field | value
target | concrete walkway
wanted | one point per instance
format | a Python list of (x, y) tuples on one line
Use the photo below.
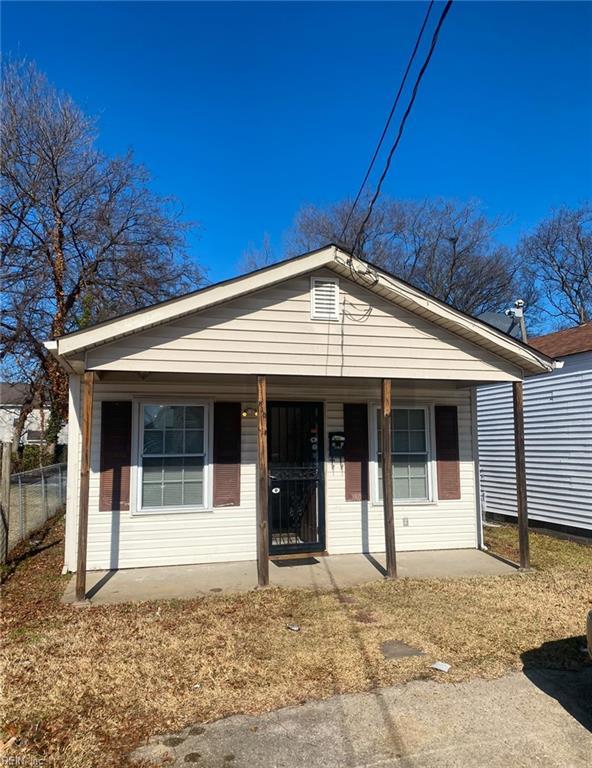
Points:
[(336, 571), (519, 721)]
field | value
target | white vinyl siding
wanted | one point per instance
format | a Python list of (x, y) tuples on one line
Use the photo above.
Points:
[(126, 540), (271, 332), (359, 526), (558, 445)]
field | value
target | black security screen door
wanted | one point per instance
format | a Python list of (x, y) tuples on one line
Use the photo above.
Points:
[(295, 451)]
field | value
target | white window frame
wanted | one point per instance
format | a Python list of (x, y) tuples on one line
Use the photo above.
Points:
[(428, 409), (327, 318), (138, 441)]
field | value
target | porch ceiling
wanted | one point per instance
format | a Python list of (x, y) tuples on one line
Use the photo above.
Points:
[(300, 387)]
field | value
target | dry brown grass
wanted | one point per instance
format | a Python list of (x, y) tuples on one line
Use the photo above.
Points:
[(546, 551), (87, 686)]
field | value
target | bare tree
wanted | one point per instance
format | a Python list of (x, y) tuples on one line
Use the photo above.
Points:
[(82, 236), (558, 256), (445, 248), (257, 257)]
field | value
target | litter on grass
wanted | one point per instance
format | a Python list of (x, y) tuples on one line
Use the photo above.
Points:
[(293, 627), (441, 666)]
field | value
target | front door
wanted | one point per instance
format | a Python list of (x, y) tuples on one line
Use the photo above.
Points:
[(296, 481)]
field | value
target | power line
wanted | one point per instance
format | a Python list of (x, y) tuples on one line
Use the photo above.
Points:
[(403, 121), (389, 119)]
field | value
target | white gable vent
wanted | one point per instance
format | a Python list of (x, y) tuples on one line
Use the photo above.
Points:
[(324, 298)]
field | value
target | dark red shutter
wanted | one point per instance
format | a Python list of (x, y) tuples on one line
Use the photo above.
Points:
[(116, 443), (447, 452), (227, 454), (355, 426)]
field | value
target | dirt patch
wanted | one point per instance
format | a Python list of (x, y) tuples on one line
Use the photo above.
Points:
[(86, 687), (364, 617)]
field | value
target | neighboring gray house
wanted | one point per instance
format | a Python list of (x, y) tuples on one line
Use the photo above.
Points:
[(558, 435), (12, 397)]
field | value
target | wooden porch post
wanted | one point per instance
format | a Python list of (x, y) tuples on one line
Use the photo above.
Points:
[(262, 498), (387, 482), (521, 501), (87, 408)]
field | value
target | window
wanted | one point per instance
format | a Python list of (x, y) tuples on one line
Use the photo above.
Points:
[(324, 299), (172, 456), (410, 453)]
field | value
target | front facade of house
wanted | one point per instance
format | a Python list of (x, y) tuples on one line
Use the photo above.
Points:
[(178, 435)]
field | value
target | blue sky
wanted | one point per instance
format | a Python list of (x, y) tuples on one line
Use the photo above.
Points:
[(247, 111)]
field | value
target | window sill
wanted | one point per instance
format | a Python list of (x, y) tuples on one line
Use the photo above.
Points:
[(172, 511), (410, 503)]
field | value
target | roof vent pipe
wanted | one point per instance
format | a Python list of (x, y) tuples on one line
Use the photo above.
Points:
[(517, 312)]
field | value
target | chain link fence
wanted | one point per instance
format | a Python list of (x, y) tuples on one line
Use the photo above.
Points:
[(35, 496)]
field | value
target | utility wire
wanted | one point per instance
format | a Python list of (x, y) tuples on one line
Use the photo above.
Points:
[(402, 124), (388, 121)]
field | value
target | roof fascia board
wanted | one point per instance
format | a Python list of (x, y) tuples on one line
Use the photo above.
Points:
[(73, 365)]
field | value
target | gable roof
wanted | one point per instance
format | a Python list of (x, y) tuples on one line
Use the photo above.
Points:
[(567, 342), (371, 276)]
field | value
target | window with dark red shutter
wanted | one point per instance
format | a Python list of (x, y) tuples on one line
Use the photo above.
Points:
[(447, 452), (355, 426), (116, 439), (227, 454)]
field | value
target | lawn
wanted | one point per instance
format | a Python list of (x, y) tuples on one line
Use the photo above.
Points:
[(86, 686), (546, 551)]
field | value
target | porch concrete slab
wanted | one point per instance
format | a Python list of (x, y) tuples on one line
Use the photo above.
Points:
[(329, 572)]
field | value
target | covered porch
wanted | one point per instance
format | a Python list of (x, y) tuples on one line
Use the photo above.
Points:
[(334, 573), (359, 504)]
